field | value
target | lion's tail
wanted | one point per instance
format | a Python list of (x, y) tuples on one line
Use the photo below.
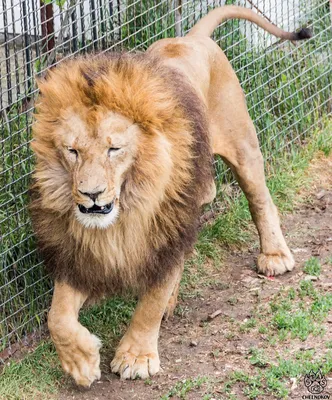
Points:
[(209, 23)]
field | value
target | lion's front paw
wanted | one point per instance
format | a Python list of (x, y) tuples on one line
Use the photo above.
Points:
[(79, 356), (135, 364), (275, 264)]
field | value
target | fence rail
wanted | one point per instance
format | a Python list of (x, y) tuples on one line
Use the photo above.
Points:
[(288, 90)]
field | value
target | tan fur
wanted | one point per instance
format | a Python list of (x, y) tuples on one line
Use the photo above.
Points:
[(160, 107)]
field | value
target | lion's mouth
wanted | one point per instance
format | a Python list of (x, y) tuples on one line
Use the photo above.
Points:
[(97, 209)]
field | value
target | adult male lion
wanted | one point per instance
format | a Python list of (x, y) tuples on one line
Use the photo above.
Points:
[(124, 147)]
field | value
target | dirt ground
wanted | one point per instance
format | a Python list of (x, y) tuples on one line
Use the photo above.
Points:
[(191, 346)]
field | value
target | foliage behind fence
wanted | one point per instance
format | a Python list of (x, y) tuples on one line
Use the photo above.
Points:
[(288, 90)]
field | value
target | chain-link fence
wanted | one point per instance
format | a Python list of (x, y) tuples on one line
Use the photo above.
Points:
[(288, 90)]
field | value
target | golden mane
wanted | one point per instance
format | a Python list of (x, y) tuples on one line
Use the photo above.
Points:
[(151, 234)]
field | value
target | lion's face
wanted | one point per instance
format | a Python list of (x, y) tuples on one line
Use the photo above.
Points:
[(107, 136), (97, 157)]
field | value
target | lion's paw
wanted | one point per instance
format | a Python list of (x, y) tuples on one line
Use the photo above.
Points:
[(80, 357), (275, 264), (135, 365)]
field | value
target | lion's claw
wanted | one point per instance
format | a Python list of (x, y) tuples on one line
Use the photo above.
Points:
[(131, 366)]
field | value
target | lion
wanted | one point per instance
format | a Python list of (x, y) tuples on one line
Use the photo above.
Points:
[(124, 147)]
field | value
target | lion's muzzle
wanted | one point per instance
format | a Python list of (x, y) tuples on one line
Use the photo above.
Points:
[(95, 209)]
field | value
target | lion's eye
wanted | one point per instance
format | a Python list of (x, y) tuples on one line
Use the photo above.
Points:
[(73, 151), (113, 150)]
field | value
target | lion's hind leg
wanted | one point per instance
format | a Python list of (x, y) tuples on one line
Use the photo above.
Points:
[(234, 138), (246, 163)]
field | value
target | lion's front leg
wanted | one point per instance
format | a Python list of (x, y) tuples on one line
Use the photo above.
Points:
[(137, 354), (77, 348)]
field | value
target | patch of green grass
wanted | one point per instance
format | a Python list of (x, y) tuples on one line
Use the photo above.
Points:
[(258, 357), (182, 388), (146, 22), (312, 266), (296, 318), (306, 288), (294, 313), (209, 249), (253, 384), (230, 227), (108, 319), (263, 329), (298, 324), (321, 306), (35, 377), (291, 293), (273, 380), (247, 325)]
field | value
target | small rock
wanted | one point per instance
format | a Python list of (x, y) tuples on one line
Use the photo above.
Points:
[(320, 194), (294, 383), (255, 289), (311, 278), (298, 250), (193, 343), (260, 276), (326, 284), (214, 315)]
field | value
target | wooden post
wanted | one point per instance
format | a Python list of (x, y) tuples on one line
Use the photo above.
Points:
[(47, 26)]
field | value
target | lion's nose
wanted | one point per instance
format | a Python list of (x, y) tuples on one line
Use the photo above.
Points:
[(92, 195)]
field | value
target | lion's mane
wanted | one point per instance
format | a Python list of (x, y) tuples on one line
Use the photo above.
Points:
[(149, 239)]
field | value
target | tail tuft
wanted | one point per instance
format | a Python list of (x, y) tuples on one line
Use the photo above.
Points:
[(304, 33)]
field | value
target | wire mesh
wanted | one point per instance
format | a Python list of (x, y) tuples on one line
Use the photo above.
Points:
[(288, 89)]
